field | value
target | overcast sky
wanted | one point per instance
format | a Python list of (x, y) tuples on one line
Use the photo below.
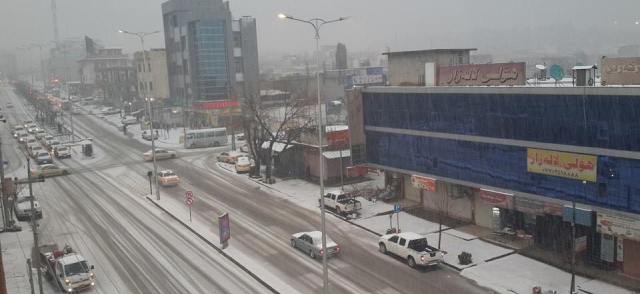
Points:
[(373, 26)]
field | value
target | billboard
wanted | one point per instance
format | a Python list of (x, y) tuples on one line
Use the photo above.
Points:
[(364, 77), (492, 74), (562, 164), (424, 183), (215, 104), (620, 71)]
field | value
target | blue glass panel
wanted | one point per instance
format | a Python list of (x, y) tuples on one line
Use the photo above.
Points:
[(604, 121), (505, 167)]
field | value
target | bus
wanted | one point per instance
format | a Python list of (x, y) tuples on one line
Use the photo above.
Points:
[(206, 138)]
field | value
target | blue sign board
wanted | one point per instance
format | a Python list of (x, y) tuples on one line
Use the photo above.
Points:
[(583, 217), (396, 208)]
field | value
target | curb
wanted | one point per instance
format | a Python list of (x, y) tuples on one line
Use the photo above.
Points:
[(343, 219), (224, 254)]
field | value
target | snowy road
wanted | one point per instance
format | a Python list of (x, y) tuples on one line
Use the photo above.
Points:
[(137, 248)]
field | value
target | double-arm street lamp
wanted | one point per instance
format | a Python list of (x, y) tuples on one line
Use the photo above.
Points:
[(148, 99), (317, 23)]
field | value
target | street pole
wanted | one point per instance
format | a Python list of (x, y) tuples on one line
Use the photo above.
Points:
[(34, 224), (141, 36), (5, 209), (316, 23)]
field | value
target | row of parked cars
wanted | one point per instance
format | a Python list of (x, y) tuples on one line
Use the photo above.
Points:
[(41, 147), (241, 161)]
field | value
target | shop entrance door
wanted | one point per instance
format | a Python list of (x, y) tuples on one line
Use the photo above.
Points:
[(631, 258)]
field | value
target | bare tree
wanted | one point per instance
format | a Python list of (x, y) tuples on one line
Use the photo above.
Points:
[(283, 125)]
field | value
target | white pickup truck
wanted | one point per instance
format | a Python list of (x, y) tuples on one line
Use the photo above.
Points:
[(68, 269), (413, 247), (340, 202)]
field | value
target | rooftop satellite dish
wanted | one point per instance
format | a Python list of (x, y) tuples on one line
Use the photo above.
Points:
[(540, 66), (556, 72)]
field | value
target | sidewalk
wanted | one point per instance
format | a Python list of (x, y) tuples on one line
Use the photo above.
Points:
[(16, 248), (496, 267)]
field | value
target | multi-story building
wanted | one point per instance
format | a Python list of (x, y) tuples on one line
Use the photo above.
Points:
[(8, 66), (63, 60), (152, 75), (514, 157), (210, 56), (110, 74)]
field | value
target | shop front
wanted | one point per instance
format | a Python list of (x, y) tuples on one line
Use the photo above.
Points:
[(620, 240), (453, 200)]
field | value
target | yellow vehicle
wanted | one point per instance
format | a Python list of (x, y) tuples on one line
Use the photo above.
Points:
[(168, 178)]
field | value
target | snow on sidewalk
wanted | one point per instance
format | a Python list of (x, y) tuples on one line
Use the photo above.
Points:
[(519, 274), (16, 248)]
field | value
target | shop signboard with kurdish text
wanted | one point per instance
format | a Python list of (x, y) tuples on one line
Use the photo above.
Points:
[(493, 74), (562, 164), (617, 224), (621, 71)]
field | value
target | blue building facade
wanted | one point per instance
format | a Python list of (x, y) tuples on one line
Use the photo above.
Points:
[(474, 143), (483, 138)]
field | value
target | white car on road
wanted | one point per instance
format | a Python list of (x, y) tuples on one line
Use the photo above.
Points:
[(160, 154)]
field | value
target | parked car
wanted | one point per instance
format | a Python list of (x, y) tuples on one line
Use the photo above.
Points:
[(311, 243), (168, 178), (46, 139), (160, 154), (27, 123), (229, 157), (9, 105), (30, 140), (129, 120), (243, 164), (147, 135), (22, 137), (52, 144), (33, 149), (341, 202), (17, 129), (49, 170), (412, 247), (62, 152), (22, 209), (43, 157), (32, 129), (40, 134)]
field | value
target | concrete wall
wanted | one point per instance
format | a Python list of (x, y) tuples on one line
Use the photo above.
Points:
[(407, 69)]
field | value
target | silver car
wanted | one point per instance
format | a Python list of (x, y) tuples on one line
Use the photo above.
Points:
[(22, 209), (311, 243), (160, 154)]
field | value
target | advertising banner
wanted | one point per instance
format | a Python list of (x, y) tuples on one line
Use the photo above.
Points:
[(497, 199), (493, 74), (619, 225), (424, 183), (621, 71), (562, 164)]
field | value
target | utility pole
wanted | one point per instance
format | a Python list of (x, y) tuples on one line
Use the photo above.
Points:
[(5, 210), (54, 19), (34, 224)]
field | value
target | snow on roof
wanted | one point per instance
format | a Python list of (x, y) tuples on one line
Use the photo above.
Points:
[(277, 146), (336, 128), (583, 67), (336, 154)]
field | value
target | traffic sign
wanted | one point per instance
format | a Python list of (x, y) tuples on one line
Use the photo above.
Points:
[(224, 229), (188, 194), (396, 208), (189, 198), (189, 201)]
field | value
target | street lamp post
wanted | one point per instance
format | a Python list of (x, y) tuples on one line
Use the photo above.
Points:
[(317, 23), (141, 36)]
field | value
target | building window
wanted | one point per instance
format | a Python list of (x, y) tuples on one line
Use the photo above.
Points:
[(185, 66), (174, 20), (150, 86)]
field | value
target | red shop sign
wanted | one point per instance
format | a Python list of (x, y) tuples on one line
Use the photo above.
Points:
[(496, 198)]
